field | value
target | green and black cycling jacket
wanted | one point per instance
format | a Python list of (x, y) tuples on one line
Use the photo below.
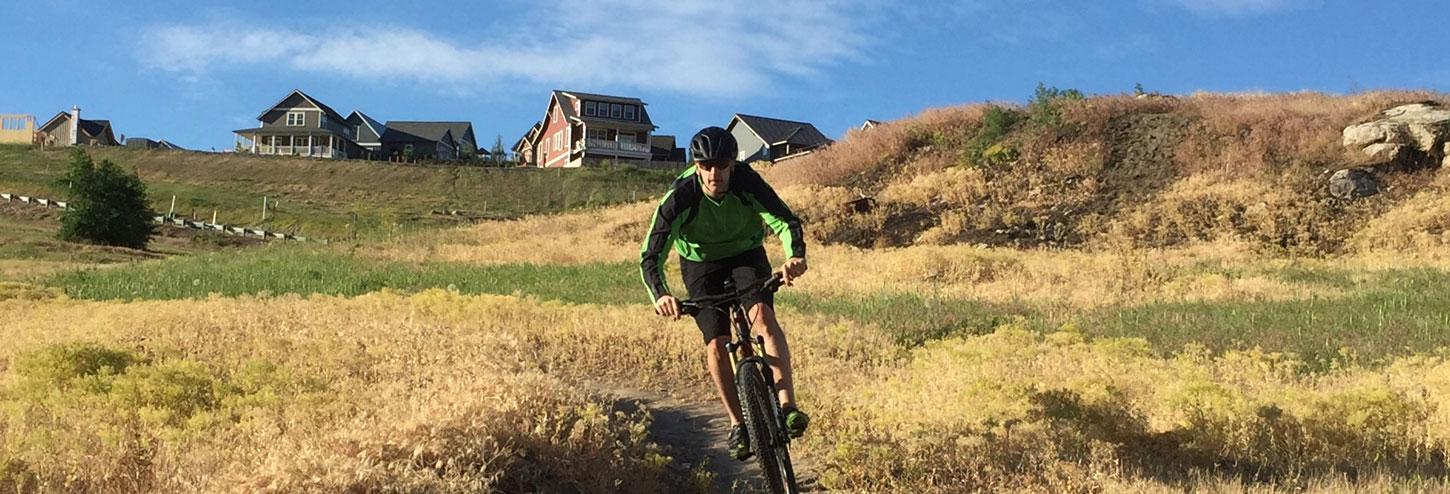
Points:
[(703, 229)]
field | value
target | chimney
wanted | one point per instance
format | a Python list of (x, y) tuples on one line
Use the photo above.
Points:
[(75, 124)]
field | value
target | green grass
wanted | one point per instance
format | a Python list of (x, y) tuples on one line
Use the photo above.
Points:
[(1391, 313), (912, 319), (294, 269), (300, 269), (1395, 312), (336, 199)]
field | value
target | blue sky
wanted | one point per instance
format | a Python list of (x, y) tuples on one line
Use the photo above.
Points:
[(192, 72)]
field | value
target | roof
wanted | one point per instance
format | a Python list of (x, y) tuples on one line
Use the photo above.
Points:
[(325, 109), (528, 136), (366, 120), (570, 114), (777, 131), (94, 127), (291, 131), (662, 141), (432, 131), (90, 127)]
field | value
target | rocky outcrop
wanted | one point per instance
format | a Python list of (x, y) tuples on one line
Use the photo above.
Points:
[(1406, 137), (1353, 183)]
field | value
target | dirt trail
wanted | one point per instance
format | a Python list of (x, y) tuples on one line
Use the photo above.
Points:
[(693, 432)]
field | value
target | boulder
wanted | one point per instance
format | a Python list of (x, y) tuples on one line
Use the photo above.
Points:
[(1352, 183), (1359, 136), (1422, 127), (1385, 152)]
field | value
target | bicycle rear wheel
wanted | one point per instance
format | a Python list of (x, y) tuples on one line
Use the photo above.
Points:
[(762, 423)]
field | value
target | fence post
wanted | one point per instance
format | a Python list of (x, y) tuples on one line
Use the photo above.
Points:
[(172, 212), (264, 208)]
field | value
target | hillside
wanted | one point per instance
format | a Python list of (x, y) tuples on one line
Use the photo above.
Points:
[(321, 198), (1113, 171), (1154, 339)]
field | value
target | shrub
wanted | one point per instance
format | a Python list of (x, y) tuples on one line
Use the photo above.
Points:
[(107, 206), (1045, 107)]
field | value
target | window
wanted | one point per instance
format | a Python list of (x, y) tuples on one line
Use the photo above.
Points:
[(296, 119), (599, 134), (589, 108), (626, 137), (629, 112), (357, 132), (616, 110)]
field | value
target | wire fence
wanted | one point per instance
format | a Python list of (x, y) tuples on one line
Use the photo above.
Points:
[(174, 222)]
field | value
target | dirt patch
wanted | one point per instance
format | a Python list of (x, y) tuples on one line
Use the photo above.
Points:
[(693, 434)]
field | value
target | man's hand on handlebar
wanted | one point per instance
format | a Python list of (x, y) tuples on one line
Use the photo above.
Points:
[(792, 269), (668, 306)]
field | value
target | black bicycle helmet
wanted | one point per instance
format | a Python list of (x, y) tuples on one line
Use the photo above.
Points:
[(712, 144)]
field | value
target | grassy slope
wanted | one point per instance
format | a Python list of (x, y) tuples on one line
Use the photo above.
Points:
[(319, 198), (1114, 171), (937, 369)]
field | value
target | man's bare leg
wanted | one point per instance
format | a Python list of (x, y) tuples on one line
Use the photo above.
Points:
[(718, 360), (766, 325)]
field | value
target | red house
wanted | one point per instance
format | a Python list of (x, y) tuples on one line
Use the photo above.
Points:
[(581, 129)]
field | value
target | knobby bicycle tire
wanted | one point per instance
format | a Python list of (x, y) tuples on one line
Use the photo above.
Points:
[(761, 424)]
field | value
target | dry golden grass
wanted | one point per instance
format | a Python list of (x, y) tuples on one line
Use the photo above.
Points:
[(432, 392), (447, 393), (612, 234), (443, 392)]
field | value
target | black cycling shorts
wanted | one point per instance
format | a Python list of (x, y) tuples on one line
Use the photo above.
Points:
[(704, 279)]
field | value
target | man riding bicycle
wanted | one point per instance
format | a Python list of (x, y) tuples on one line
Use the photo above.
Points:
[(715, 216)]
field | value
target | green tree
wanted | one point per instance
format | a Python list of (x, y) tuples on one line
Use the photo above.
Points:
[(1045, 106), (107, 205)]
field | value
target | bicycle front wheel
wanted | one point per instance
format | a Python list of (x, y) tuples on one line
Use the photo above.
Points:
[(763, 425)]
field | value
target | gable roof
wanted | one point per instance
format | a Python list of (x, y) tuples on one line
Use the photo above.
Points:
[(364, 119), (571, 114), (529, 136), (325, 109), (432, 131), (92, 128), (777, 131)]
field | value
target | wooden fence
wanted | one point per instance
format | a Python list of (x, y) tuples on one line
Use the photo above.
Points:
[(174, 222)]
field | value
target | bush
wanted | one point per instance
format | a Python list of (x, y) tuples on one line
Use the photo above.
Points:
[(107, 205), (1045, 106)]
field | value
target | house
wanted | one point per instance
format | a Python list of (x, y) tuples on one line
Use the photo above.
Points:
[(300, 125), (662, 148), (581, 128), (773, 139), (144, 143), (367, 132), (17, 129), (524, 148), (69, 129), (408, 141), (870, 124)]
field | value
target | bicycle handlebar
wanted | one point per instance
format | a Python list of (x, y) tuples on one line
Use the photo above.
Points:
[(695, 305)]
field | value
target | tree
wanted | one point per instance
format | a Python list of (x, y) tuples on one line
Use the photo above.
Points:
[(497, 153), (107, 205)]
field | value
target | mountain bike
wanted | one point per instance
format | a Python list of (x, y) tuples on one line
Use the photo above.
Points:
[(755, 384)]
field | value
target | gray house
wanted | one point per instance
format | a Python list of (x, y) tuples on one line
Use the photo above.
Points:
[(300, 125), (368, 133), (144, 143), (773, 139), (408, 141)]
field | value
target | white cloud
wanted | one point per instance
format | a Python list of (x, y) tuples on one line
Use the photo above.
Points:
[(693, 47), (1238, 7)]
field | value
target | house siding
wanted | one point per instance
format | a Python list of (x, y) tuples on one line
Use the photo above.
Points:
[(750, 147), (556, 128)]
